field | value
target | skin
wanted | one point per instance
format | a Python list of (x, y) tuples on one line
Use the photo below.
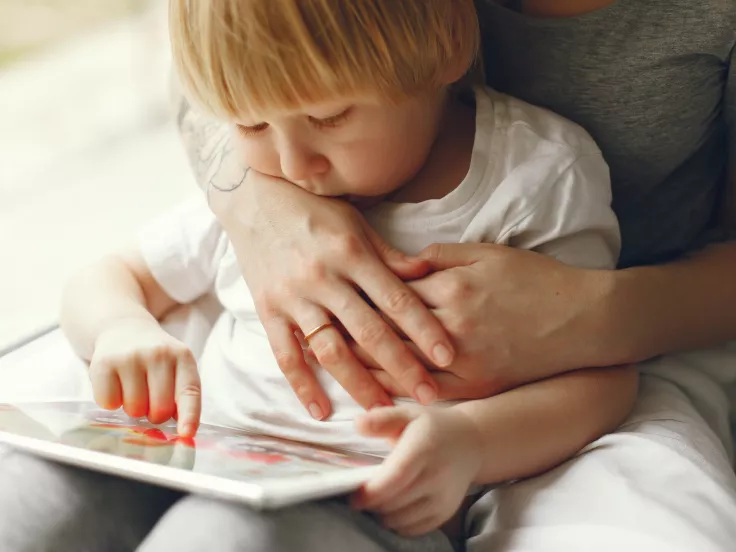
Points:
[(112, 308), (582, 318), (330, 150)]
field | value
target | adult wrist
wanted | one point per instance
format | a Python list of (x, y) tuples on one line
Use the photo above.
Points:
[(596, 340), (233, 207), (612, 331)]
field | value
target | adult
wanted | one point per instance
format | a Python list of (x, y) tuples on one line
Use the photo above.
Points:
[(654, 82)]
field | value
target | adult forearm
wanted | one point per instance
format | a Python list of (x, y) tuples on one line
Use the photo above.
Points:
[(647, 311), (533, 428)]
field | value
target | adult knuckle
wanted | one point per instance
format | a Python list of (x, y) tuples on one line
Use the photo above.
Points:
[(409, 369), (458, 290), (432, 253), (265, 305), (315, 271), (330, 352), (288, 361), (399, 301), (302, 388), (372, 333), (349, 247), (405, 369)]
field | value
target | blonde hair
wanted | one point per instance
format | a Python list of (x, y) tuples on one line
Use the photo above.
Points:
[(235, 57)]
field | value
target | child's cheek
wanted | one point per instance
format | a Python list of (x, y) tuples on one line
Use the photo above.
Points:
[(258, 154)]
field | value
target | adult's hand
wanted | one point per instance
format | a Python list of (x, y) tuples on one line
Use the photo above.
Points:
[(305, 259), (515, 316)]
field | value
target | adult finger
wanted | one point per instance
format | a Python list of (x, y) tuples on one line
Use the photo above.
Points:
[(106, 388), (442, 256), (334, 355), (451, 387), (160, 379), (289, 356), (454, 388), (362, 355), (436, 290), (396, 300), (404, 266), (188, 393), (375, 336)]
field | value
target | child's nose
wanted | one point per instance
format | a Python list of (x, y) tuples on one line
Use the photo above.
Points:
[(303, 166)]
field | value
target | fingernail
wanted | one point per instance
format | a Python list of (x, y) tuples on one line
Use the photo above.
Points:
[(316, 411), (425, 393), (442, 355)]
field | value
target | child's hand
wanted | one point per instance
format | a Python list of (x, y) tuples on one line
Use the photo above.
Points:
[(139, 366), (424, 480)]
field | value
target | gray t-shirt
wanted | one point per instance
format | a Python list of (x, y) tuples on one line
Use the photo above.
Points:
[(654, 82)]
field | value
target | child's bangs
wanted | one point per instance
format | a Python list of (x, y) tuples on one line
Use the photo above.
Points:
[(240, 57)]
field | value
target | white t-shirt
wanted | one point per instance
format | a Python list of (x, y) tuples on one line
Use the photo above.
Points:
[(536, 181)]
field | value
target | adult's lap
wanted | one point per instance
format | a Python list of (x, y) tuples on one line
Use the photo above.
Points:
[(663, 481), (198, 523), (51, 507)]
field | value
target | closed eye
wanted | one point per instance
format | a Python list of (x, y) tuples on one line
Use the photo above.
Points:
[(247, 131), (332, 122)]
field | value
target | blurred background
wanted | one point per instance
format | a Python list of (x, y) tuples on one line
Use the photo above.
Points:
[(88, 145)]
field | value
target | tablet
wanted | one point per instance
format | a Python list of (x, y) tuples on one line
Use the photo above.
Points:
[(258, 470)]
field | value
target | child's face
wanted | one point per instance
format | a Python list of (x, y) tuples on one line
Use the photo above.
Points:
[(359, 147)]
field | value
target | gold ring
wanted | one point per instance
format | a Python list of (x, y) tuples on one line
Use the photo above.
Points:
[(316, 330)]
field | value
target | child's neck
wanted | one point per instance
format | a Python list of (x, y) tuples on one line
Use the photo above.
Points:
[(449, 159)]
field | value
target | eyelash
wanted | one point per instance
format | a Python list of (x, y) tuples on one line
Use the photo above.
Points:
[(245, 132), (330, 122)]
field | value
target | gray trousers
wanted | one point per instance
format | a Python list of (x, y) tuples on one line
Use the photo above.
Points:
[(48, 507), (662, 482)]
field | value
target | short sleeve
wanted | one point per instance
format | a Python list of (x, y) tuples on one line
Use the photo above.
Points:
[(183, 248), (572, 220)]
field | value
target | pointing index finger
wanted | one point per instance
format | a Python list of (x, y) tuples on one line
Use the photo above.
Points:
[(188, 393)]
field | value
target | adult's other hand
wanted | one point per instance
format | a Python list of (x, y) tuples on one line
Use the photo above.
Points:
[(306, 259), (515, 316)]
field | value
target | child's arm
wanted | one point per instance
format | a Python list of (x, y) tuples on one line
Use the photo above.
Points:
[(520, 433), (104, 293), (110, 313)]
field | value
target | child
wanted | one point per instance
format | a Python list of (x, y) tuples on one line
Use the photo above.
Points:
[(360, 100)]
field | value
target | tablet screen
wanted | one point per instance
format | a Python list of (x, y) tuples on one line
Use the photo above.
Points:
[(74, 430)]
